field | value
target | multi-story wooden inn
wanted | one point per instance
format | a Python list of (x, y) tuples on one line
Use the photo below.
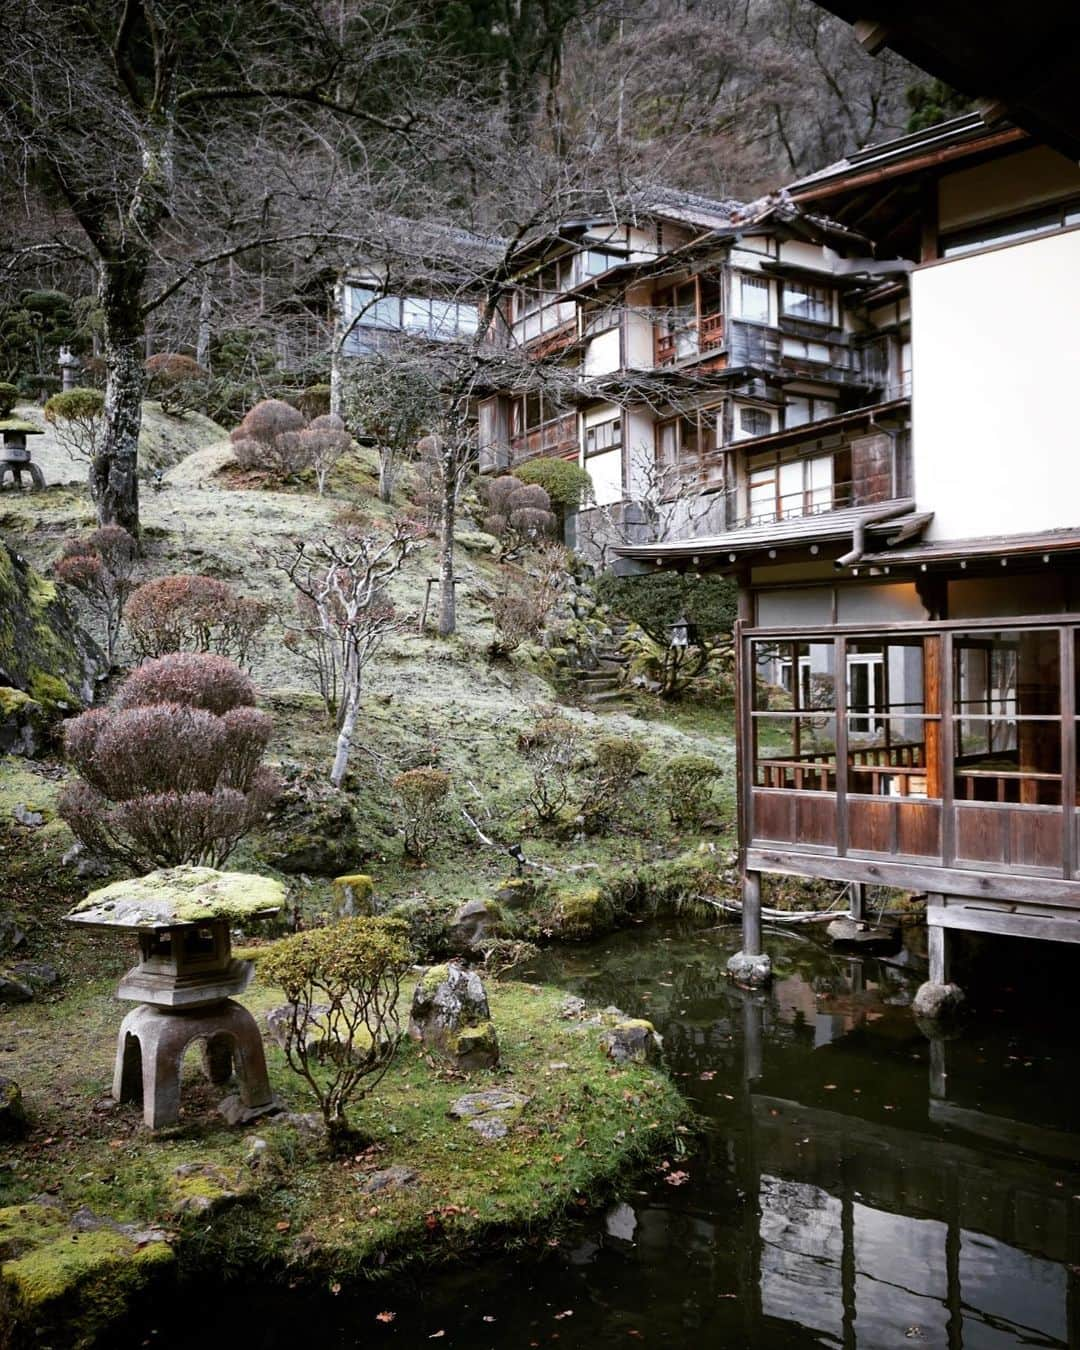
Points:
[(918, 598)]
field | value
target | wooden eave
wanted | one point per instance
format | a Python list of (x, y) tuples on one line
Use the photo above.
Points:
[(830, 527), (1034, 547), (828, 426)]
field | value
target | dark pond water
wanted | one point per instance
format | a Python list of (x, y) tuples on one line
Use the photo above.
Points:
[(856, 1186)]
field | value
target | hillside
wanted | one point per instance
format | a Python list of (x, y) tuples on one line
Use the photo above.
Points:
[(427, 702)]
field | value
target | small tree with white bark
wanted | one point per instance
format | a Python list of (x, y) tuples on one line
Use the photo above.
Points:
[(344, 588)]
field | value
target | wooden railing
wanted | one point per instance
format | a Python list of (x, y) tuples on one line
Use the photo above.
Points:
[(704, 334), (557, 437)]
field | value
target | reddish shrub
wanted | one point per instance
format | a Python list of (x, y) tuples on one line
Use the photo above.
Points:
[(171, 773), (101, 567), (178, 382), (197, 679), (194, 613), (269, 438)]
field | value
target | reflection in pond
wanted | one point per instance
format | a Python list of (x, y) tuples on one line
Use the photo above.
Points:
[(856, 1185)]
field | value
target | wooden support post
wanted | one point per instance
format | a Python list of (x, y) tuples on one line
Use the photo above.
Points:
[(938, 953), (857, 909), (751, 914)]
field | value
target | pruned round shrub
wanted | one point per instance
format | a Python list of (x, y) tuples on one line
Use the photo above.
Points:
[(9, 396), (421, 794), (187, 612), (178, 382), (518, 513), (78, 419), (196, 679), (269, 439), (172, 772), (343, 1024), (567, 485), (686, 783)]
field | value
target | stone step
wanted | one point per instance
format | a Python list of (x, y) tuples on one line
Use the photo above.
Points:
[(608, 696)]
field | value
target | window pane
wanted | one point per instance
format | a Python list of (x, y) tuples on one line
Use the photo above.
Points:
[(797, 411), (753, 299), (797, 753), (803, 301), (1007, 673), (416, 315)]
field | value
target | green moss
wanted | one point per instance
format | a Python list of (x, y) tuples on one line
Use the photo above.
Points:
[(14, 701), (65, 1287), (181, 895), (51, 691), (353, 895), (201, 1188)]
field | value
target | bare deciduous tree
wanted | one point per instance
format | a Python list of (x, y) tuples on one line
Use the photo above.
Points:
[(345, 586)]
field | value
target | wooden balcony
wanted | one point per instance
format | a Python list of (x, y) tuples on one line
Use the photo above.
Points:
[(557, 438), (704, 334), (931, 796)]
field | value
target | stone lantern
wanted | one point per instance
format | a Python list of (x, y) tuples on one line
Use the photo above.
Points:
[(14, 452), (183, 983)]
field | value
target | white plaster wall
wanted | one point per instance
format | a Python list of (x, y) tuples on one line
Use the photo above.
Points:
[(640, 352), (806, 255), (602, 353), (605, 470), (995, 361), (640, 447)]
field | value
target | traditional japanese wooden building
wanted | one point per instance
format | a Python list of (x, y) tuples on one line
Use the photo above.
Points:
[(910, 587)]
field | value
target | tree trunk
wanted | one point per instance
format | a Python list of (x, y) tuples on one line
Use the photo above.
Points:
[(350, 712), (447, 605), (337, 343), (386, 474), (202, 340), (114, 483)]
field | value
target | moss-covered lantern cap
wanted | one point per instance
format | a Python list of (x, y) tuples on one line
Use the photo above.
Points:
[(22, 424), (175, 896)]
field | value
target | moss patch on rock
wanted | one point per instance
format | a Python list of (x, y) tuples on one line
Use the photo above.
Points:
[(66, 1287), (43, 651), (174, 895)]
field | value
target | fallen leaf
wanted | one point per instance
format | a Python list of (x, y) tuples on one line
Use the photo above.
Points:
[(830, 1087), (335, 1288), (677, 1178), (566, 1312), (283, 1226), (435, 1335), (707, 1075), (385, 1316)]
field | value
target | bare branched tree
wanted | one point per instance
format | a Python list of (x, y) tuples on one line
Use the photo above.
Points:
[(345, 586)]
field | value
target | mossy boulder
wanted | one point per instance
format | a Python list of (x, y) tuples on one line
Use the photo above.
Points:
[(197, 1189), (43, 650), (24, 723), (353, 894), (450, 1017), (66, 1285), (319, 831), (632, 1040)]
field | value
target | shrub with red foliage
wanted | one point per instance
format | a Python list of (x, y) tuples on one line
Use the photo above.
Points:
[(101, 567), (172, 772), (269, 438), (194, 613), (178, 382)]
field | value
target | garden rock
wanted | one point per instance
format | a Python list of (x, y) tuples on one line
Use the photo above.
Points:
[(634, 1041), (39, 975), (750, 970), (25, 815), (471, 924), (390, 1178), (490, 1113), (204, 1188), (858, 934), (450, 1016), (352, 895), (23, 723), (13, 1122), (279, 1019), (11, 936), (571, 1007), (13, 990)]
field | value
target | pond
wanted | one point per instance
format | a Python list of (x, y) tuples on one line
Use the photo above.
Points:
[(854, 1185)]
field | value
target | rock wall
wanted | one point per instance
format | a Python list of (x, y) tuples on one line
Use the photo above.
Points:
[(43, 651)]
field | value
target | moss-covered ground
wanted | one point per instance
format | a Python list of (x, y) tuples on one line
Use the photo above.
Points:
[(236, 1207)]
